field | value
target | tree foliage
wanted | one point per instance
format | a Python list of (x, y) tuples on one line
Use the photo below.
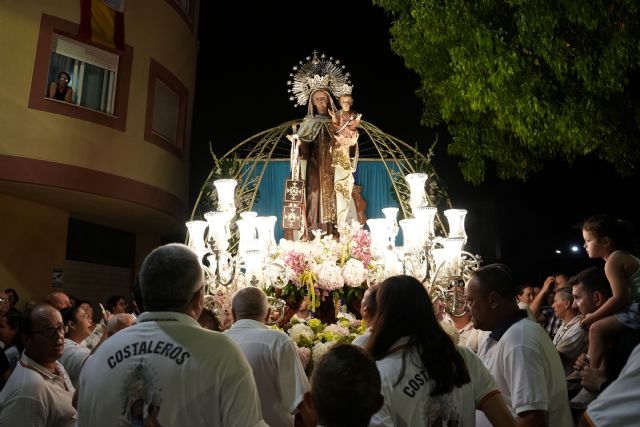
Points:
[(524, 81)]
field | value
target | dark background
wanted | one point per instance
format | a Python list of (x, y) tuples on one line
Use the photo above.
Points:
[(246, 53)]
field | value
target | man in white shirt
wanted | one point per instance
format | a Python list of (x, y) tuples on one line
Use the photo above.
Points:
[(276, 366), (518, 352), (39, 391), (570, 339), (368, 312), (617, 405), (167, 369)]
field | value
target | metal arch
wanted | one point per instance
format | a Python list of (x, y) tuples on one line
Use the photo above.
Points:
[(258, 150)]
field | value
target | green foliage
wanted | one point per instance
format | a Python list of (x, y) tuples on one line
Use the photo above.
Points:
[(521, 82)]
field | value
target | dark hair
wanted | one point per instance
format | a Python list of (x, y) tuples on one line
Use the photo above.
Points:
[(371, 302), (621, 233), (70, 315), (593, 279), (524, 286), (113, 301), (14, 320), (65, 73), (497, 278), (26, 326), (13, 291), (170, 276), (346, 370), (405, 310)]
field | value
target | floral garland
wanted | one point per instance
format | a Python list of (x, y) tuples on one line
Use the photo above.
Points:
[(326, 267), (314, 338)]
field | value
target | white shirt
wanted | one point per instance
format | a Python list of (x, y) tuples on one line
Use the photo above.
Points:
[(570, 340), (528, 371), (196, 377), (362, 340), (617, 405), (408, 403), (73, 359), (34, 396), (277, 369), (13, 355)]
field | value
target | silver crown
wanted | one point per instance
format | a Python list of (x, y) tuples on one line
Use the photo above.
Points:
[(318, 73)]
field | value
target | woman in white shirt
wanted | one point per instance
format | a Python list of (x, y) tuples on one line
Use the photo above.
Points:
[(426, 379)]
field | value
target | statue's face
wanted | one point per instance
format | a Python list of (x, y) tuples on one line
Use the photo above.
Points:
[(346, 101), (320, 101)]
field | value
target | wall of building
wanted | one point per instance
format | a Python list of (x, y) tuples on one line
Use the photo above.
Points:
[(34, 238), (54, 167)]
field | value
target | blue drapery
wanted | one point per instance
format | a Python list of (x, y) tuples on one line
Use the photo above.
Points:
[(371, 175)]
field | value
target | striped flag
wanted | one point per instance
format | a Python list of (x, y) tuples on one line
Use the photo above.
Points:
[(102, 22)]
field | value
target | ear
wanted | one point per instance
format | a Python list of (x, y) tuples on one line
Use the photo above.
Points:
[(196, 302), (598, 298), (266, 318), (494, 299)]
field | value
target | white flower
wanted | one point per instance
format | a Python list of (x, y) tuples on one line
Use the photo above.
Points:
[(329, 276), (301, 330), (338, 331), (305, 356), (319, 350), (354, 273)]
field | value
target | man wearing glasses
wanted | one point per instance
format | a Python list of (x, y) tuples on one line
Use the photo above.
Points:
[(39, 391)]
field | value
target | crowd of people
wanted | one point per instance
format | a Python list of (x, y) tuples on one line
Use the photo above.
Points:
[(564, 354)]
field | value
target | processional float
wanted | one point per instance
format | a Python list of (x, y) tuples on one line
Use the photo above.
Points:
[(238, 247)]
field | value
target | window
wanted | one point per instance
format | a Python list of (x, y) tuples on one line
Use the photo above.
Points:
[(186, 9), (93, 72), (166, 118), (166, 106), (99, 77)]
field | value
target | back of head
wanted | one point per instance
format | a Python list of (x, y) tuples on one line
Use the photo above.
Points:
[(58, 299), (346, 387), (619, 232), (370, 301), (405, 310), (118, 322), (496, 278), (593, 279), (249, 303), (113, 301), (169, 277)]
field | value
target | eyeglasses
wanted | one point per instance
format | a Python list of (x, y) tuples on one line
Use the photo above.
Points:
[(51, 332), (4, 300), (63, 78)]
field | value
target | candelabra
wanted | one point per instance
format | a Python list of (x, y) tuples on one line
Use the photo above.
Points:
[(439, 262), (210, 240)]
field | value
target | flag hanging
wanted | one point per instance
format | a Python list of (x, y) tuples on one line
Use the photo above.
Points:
[(102, 22)]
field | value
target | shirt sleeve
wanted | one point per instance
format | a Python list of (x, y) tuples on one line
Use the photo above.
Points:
[(293, 380), (481, 379), (240, 403), (523, 368)]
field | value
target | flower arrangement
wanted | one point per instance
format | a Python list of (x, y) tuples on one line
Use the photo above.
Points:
[(314, 338), (326, 268)]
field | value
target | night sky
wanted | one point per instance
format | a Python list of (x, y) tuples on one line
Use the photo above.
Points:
[(246, 53)]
